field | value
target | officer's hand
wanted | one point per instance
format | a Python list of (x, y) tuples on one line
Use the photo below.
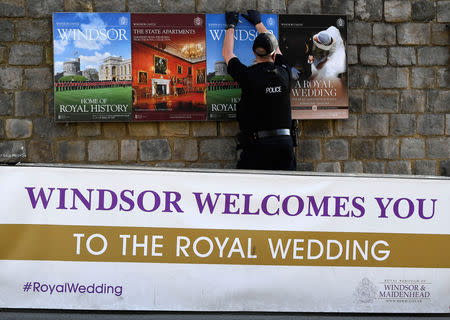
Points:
[(253, 16), (295, 74), (232, 19)]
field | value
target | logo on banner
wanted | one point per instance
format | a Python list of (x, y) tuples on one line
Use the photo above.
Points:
[(365, 292), (123, 21), (198, 21)]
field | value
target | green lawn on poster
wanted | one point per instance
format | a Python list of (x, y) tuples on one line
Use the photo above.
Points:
[(119, 95), (222, 96)]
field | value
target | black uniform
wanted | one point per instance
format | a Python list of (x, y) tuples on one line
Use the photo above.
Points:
[(263, 110)]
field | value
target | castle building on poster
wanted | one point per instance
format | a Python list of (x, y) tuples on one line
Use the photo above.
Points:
[(115, 68)]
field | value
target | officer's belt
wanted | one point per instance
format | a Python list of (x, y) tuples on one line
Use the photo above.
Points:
[(272, 133)]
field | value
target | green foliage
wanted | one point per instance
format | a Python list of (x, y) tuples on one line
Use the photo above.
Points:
[(75, 78)]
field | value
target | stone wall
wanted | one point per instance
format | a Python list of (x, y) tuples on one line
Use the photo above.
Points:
[(398, 54)]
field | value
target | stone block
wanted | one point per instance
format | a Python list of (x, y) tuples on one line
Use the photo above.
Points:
[(346, 127), (447, 124), (356, 100), (382, 101), (18, 128), (373, 125), (438, 148), (103, 150), (218, 149), (144, 6), (12, 8), (10, 78), (353, 167), (33, 30), (174, 128), (6, 31), (70, 151), (387, 148), (402, 56), (433, 56), (154, 149), (375, 167), (114, 130), (44, 8), (185, 149), (317, 128), (302, 6), (29, 103), (423, 10), (38, 79), (397, 11), (3, 51), (413, 101), (305, 166), (336, 149), (413, 33), (444, 168), (26, 54), (204, 129), (89, 129), (128, 150), (179, 6), (393, 77), (352, 54), (403, 124), (12, 151), (430, 124), (425, 167), (149, 129), (361, 77), (47, 128), (359, 33), (443, 78), (443, 11), (369, 10), (78, 5), (440, 34), (214, 6), (309, 149), (40, 151), (375, 56), (439, 100), (422, 78), (345, 7), (109, 5), (228, 128), (6, 104), (384, 34), (206, 165), (398, 167), (271, 6), (329, 167), (412, 148), (362, 149)]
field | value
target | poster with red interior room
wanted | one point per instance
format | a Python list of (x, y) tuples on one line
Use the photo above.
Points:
[(169, 67)]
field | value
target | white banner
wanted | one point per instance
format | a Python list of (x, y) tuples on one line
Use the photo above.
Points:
[(133, 239)]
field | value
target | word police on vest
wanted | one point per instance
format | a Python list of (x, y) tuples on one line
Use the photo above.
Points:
[(273, 89)]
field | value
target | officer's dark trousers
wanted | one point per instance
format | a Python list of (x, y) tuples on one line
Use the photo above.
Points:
[(271, 153)]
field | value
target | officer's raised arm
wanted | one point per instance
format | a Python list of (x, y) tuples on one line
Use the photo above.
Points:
[(254, 17), (232, 19)]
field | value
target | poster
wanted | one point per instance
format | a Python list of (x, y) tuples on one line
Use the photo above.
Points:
[(169, 67), (223, 92), (315, 47), (143, 239), (92, 66)]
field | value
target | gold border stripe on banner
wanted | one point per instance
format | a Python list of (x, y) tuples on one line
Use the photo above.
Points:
[(217, 246)]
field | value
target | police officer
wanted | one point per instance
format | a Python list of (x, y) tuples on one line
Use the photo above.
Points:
[(264, 111)]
